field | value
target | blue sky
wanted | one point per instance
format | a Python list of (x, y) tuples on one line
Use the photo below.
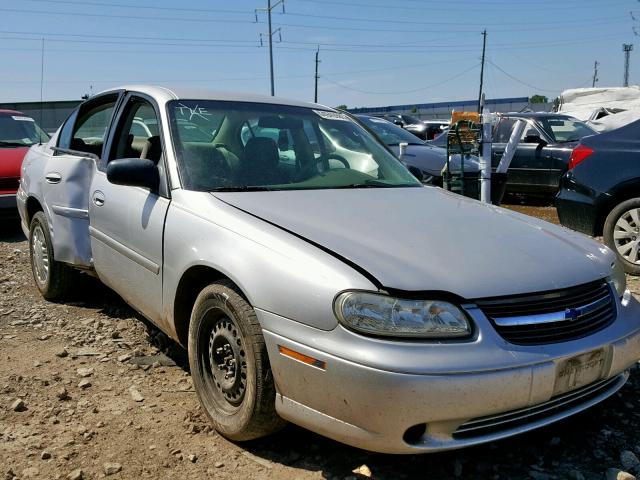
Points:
[(373, 52)]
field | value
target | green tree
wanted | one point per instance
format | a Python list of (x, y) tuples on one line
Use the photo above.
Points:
[(538, 99), (414, 110), (342, 107)]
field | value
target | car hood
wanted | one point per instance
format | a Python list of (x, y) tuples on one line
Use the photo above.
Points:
[(11, 161), (427, 158), (427, 239)]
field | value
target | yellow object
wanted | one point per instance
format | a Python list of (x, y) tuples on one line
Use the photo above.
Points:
[(469, 116)]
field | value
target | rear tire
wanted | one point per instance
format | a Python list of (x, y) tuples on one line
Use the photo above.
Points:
[(55, 280), (622, 234), (229, 364)]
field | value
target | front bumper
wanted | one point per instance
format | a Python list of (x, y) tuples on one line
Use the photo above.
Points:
[(577, 211), (8, 205), (396, 397)]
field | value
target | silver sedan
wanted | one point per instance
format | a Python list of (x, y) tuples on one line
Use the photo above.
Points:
[(311, 286)]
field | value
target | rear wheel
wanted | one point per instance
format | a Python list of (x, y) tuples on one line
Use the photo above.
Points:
[(55, 280), (622, 234), (230, 366)]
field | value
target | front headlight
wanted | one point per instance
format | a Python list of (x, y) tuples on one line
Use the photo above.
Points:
[(618, 277), (376, 314)]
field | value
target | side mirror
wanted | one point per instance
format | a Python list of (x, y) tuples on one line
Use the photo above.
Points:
[(398, 122), (134, 172)]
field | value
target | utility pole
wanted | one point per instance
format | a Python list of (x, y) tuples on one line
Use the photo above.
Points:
[(315, 95), (484, 48), (626, 48), (595, 74), (271, 33), (41, 84)]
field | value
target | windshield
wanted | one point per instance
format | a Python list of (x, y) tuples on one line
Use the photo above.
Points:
[(565, 129), (409, 120), (20, 131), (255, 146), (389, 133)]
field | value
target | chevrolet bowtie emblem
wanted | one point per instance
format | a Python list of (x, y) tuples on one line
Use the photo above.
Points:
[(572, 314)]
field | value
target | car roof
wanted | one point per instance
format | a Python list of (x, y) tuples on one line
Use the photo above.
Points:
[(185, 93), (534, 115)]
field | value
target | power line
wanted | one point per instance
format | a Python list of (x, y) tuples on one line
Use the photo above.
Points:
[(424, 5), (145, 7), (402, 91), (521, 81), (293, 25)]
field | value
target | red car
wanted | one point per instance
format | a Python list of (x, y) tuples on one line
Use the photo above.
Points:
[(17, 133)]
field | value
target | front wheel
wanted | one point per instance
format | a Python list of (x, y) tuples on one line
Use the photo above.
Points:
[(622, 234), (229, 364), (55, 280)]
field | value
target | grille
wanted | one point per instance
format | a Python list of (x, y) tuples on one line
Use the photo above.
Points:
[(9, 183), (562, 404), (541, 318)]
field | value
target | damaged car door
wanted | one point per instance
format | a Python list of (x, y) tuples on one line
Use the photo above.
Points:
[(67, 175)]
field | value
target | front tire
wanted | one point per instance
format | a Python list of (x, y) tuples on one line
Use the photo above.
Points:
[(55, 280), (622, 234), (229, 364)]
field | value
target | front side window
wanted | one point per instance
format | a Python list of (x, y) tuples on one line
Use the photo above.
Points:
[(18, 130), (137, 133), (274, 147)]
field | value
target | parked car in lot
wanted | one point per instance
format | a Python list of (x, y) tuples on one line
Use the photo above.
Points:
[(361, 305), (409, 123), (17, 133), (427, 159), (543, 153), (600, 194)]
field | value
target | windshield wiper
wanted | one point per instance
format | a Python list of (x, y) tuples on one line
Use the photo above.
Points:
[(255, 188), (4, 143), (372, 184)]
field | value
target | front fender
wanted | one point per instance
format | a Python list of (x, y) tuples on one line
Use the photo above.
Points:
[(277, 271)]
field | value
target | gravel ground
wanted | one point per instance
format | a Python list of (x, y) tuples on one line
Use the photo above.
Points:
[(89, 390)]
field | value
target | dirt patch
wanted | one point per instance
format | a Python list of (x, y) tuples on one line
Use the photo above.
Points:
[(88, 389)]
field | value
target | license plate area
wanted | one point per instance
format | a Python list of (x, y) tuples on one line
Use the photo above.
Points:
[(578, 371)]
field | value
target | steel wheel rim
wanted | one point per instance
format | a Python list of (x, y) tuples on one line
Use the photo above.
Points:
[(227, 362), (40, 255), (626, 235)]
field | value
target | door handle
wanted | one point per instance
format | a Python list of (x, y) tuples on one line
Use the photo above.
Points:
[(53, 178), (98, 198)]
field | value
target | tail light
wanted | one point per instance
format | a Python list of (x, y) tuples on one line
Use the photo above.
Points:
[(578, 155)]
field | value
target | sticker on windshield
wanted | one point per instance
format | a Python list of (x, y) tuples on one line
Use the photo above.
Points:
[(22, 119), (332, 115)]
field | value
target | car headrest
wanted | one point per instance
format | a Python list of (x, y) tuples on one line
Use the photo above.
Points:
[(262, 153), (152, 149)]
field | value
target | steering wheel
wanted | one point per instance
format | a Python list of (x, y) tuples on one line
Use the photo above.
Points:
[(324, 160)]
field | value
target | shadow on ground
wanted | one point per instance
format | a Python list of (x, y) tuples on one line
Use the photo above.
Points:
[(10, 231)]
